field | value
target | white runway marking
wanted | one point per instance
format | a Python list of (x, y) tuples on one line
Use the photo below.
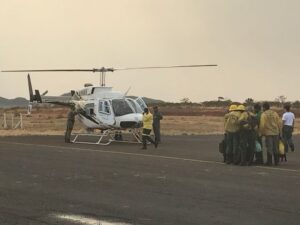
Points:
[(141, 155), (79, 219)]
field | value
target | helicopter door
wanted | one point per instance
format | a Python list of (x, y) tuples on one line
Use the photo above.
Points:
[(105, 112), (141, 103)]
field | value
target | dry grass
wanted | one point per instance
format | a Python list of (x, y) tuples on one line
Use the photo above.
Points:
[(176, 125), (52, 121)]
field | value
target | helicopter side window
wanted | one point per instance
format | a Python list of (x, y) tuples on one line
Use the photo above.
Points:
[(89, 109), (104, 107), (92, 111)]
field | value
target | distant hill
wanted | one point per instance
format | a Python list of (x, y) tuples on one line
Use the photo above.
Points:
[(10, 103), (149, 101)]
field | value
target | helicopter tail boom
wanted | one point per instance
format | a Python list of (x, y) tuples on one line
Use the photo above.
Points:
[(37, 97), (30, 88)]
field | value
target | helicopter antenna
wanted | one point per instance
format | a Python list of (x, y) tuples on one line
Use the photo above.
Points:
[(103, 70)]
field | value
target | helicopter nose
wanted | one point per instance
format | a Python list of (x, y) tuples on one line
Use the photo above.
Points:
[(129, 124), (130, 121)]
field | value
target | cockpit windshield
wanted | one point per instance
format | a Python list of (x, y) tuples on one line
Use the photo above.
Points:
[(121, 107), (134, 105)]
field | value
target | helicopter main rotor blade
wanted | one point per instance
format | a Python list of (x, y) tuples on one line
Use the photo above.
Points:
[(103, 69), (163, 67), (64, 70)]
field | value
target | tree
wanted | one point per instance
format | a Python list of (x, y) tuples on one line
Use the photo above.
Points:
[(296, 104), (281, 99), (249, 101), (220, 98), (185, 100)]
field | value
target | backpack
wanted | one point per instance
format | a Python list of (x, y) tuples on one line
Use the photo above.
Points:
[(232, 119), (258, 147), (250, 123)]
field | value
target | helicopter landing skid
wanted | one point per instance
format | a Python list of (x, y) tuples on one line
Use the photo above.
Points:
[(136, 134), (106, 138)]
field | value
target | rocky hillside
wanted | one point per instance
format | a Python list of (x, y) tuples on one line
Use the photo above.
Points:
[(10, 103)]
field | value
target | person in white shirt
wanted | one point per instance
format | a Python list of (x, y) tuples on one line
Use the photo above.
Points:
[(288, 122)]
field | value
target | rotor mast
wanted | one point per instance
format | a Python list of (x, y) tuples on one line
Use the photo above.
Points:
[(102, 79), (103, 71)]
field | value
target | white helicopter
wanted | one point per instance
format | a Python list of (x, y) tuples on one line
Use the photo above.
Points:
[(99, 107)]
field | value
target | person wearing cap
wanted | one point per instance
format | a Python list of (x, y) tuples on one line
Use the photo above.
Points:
[(231, 130), (270, 126), (157, 117), (147, 127), (224, 141), (288, 122), (247, 134)]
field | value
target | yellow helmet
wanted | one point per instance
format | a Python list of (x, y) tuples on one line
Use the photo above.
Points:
[(232, 108), (241, 108)]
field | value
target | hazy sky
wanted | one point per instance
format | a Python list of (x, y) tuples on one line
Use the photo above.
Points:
[(256, 44)]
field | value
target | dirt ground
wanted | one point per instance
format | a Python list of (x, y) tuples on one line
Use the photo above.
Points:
[(52, 121)]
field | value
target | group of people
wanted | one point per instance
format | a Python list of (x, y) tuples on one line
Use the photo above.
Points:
[(151, 122), (245, 130)]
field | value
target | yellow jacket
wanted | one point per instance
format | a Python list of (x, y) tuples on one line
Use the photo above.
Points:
[(232, 121), (225, 119), (270, 123), (147, 121)]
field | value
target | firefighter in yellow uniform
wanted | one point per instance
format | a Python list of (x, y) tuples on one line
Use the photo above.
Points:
[(147, 127), (231, 130), (270, 127), (224, 147)]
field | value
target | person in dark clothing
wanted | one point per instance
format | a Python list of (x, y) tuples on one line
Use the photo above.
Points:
[(288, 122), (248, 124), (70, 125), (258, 155), (157, 117)]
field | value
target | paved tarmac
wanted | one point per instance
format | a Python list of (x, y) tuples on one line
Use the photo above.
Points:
[(45, 181)]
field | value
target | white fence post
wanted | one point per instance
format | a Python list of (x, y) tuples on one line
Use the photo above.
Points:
[(4, 121), (12, 121), (21, 121)]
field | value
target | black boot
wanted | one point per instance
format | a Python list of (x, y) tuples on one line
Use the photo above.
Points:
[(259, 159), (276, 159), (237, 159), (224, 157), (269, 160), (144, 140), (285, 158), (228, 158)]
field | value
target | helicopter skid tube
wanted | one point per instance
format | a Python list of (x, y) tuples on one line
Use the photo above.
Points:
[(102, 138)]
